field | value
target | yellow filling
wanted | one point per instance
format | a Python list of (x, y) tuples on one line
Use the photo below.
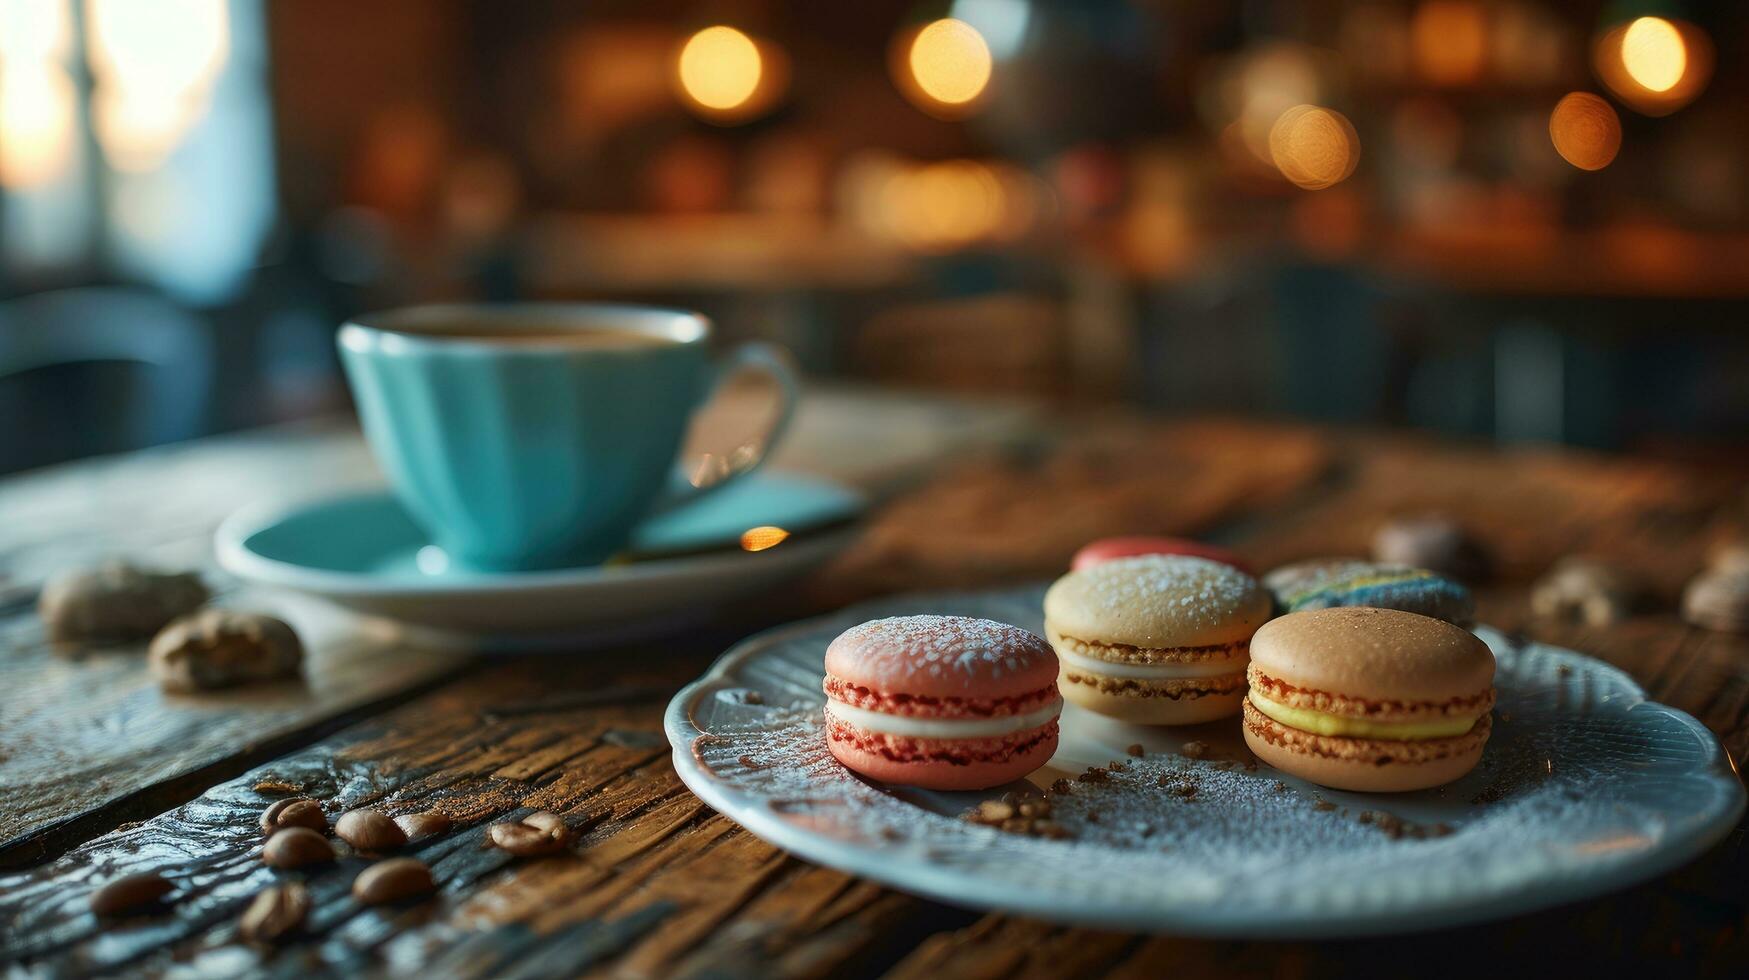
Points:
[(1322, 723)]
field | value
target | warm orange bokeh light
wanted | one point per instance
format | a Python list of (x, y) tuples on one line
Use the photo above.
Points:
[(1585, 130), (1654, 65), (950, 62), (1314, 147), (945, 205), (720, 68), (1449, 40), (1653, 53), (763, 537)]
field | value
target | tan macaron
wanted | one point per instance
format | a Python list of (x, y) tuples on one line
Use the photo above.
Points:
[(1366, 699), (1159, 639)]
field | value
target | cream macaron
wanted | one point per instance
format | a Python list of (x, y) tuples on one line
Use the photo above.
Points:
[(1157, 639), (1377, 700)]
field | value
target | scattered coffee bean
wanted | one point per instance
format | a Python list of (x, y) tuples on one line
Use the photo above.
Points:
[(1135, 749), (523, 840), (1184, 790), (1062, 786), (369, 830), (1584, 589), (1718, 601), (295, 847), (1094, 774), (549, 822), (130, 893), (1433, 542), (274, 913), (1279, 787), (994, 811), (392, 880), (217, 648), (1025, 815), (295, 812), (1323, 806), (116, 601), (275, 786), (1194, 750), (1163, 780), (418, 826)]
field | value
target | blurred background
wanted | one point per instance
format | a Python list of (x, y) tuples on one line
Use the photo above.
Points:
[(1503, 219)]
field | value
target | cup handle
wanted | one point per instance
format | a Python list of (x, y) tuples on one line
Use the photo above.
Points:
[(717, 470)]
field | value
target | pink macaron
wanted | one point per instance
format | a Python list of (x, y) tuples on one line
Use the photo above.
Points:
[(941, 702), (1111, 549)]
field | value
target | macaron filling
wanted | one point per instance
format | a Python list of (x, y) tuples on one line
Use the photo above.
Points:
[(1151, 672), (1324, 723), (914, 726)]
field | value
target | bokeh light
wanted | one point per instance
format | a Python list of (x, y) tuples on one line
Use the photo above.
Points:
[(154, 66), (946, 67), (943, 206), (1449, 40), (1314, 147), (1653, 53), (1654, 65), (763, 537), (1585, 130), (727, 76), (720, 68)]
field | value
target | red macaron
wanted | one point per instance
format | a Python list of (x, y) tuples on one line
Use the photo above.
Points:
[(941, 702), (1111, 549)]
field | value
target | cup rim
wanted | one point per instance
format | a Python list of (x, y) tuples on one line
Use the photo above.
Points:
[(421, 327)]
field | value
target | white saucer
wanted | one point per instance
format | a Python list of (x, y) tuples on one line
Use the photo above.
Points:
[(362, 552)]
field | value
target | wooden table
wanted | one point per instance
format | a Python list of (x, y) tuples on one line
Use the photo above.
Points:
[(102, 775)]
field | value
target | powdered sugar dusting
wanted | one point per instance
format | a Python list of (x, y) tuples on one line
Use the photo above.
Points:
[(1583, 788), (1181, 579), (941, 646)]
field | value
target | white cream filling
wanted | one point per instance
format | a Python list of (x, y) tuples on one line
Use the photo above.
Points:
[(1154, 672), (877, 721)]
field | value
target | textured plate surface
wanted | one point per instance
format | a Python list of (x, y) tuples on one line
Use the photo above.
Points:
[(1586, 787)]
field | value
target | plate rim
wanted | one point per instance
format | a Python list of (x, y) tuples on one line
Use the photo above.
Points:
[(955, 887)]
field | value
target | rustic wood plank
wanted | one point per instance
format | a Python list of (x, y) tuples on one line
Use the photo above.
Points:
[(658, 884), (87, 739)]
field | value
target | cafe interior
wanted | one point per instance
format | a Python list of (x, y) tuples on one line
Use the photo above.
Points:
[(369, 608), (1497, 220)]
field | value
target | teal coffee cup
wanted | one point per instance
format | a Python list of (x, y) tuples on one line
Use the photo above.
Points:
[(538, 436)]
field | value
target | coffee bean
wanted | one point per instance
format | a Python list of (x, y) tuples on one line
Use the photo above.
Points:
[(523, 840), (295, 847), (295, 812), (369, 830), (115, 601), (548, 821), (392, 880), (130, 893), (216, 648), (275, 912), (418, 826)]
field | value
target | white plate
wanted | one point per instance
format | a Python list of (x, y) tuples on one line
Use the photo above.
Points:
[(363, 553), (1585, 788)]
